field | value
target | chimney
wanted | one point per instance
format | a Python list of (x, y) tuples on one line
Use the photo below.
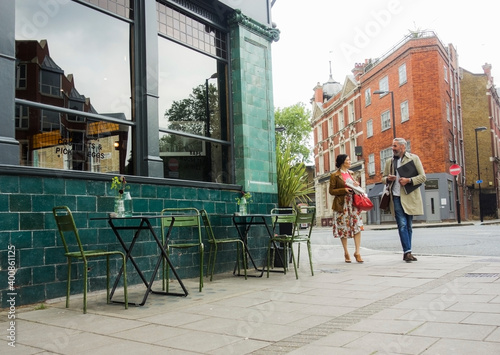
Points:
[(358, 70), (318, 93)]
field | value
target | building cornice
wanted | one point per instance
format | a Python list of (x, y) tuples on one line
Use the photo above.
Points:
[(237, 18)]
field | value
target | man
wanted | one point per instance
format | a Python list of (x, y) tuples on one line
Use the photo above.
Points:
[(404, 205)]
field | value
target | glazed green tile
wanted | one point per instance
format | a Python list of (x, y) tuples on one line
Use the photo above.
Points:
[(9, 221), (44, 238), (31, 257), (183, 193), (4, 262), (148, 191), (32, 294), (23, 276), (76, 187), (163, 191), (53, 186), (105, 204), (30, 185), (21, 240), (97, 188), (4, 202), (155, 205), (140, 205), (55, 255), (20, 203), (31, 221), (9, 184), (86, 203), (43, 203), (44, 274)]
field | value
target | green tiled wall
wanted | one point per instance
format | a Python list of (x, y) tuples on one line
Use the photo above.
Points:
[(26, 222), (253, 110)]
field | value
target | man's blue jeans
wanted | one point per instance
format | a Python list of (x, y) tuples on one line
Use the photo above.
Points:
[(404, 222)]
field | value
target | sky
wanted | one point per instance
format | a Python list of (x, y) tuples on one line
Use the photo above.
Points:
[(315, 33)]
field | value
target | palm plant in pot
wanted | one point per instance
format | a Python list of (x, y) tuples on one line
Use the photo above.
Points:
[(292, 179), (293, 185)]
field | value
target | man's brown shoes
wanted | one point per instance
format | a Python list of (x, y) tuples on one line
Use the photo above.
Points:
[(409, 258)]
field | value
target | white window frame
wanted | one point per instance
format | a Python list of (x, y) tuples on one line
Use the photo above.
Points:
[(368, 97), (341, 120), (384, 155), (369, 128), (383, 85), (371, 164), (350, 109), (445, 73), (385, 120), (448, 116), (405, 113), (402, 74)]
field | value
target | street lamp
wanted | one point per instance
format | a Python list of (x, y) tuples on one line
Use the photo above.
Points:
[(382, 92), (479, 129)]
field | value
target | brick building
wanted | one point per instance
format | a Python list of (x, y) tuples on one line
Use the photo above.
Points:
[(413, 92), (481, 111), (336, 118)]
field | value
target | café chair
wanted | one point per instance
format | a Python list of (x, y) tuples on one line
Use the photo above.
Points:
[(67, 229), (305, 217), (281, 218), (214, 242), (185, 218)]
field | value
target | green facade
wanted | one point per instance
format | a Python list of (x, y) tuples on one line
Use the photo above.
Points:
[(27, 195)]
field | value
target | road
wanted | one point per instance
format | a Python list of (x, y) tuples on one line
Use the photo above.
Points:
[(474, 240)]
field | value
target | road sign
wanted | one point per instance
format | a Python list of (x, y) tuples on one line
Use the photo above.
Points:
[(455, 169), (479, 181)]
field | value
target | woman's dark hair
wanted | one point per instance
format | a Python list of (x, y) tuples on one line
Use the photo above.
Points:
[(340, 160)]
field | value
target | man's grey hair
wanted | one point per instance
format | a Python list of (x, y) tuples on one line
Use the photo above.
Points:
[(400, 141)]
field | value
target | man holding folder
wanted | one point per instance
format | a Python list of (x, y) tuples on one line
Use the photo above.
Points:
[(407, 174)]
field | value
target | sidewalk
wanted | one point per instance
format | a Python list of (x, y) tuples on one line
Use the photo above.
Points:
[(387, 226), (438, 305)]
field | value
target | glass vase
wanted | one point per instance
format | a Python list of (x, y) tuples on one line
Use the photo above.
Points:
[(127, 202), (243, 206), (119, 206)]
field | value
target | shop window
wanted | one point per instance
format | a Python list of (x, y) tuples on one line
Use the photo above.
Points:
[(194, 140), (83, 65)]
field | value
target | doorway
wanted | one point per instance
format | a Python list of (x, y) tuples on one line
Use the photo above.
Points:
[(432, 206)]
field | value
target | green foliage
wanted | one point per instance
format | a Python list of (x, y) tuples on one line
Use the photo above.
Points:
[(292, 179), (296, 121)]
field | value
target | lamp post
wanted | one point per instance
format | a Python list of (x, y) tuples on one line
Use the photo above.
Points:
[(207, 126), (382, 92), (479, 129)]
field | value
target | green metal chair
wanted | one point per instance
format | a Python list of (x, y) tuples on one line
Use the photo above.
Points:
[(281, 216), (305, 216), (183, 218), (214, 242), (66, 226)]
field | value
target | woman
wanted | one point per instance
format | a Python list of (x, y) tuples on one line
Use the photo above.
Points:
[(347, 222)]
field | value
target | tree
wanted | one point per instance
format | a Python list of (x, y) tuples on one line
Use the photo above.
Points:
[(296, 121)]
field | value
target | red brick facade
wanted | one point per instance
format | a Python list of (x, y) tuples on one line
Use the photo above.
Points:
[(421, 74)]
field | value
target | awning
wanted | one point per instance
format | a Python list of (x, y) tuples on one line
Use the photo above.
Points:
[(376, 191)]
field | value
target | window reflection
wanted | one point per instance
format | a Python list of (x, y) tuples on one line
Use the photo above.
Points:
[(194, 159), (193, 99), (77, 59)]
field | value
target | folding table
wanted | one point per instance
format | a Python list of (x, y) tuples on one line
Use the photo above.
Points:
[(139, 223)]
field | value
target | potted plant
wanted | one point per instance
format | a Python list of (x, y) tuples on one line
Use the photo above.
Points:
[(293, 186)]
